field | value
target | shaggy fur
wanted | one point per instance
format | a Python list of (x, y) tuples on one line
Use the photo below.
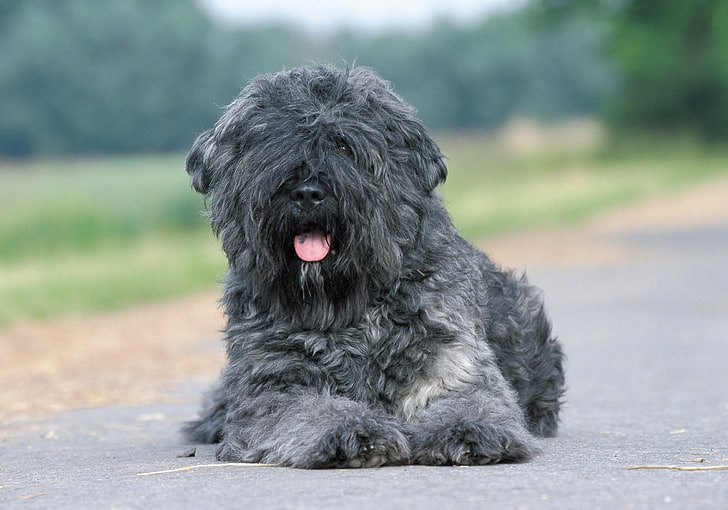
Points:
[(404, 344)]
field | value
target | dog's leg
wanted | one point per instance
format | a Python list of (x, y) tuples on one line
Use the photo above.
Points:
[(305, 430), (208, 427), (476, 427)]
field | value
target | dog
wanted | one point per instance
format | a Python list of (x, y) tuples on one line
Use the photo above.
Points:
[(362, 330)]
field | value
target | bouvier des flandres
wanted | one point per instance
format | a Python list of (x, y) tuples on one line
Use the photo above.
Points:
[(362, 329)]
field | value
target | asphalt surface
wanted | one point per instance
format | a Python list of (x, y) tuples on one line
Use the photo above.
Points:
[(647, 342)]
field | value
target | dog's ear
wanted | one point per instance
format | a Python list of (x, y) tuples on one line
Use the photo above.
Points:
[(425, 155), (199, 164), (433, 165)]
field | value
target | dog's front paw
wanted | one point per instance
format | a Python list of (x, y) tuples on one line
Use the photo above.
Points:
[(360, 446), (472, 443)]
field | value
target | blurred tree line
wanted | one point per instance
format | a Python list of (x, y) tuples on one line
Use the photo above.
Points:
[(673, 58), (83, 76)]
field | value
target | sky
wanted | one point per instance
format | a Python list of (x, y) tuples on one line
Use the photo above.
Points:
[(367, 15)]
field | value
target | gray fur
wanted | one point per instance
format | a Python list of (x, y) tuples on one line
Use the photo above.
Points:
[(404, 344)]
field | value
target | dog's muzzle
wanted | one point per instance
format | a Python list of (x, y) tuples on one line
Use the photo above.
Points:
[(315, 245)]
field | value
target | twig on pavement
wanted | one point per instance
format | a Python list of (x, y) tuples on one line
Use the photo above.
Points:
[(190, 468), (680, 468)]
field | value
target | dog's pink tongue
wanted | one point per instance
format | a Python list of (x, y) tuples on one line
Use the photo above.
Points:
[(312, 246)]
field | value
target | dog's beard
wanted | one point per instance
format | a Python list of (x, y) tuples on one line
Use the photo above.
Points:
[(311, 273), (323, 294), (311, 282)]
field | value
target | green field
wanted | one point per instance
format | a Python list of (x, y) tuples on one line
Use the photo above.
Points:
[(85, 235), (492, 191)]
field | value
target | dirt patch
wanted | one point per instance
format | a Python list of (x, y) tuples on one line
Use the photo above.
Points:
[(704, 205), (135, 356), (121, 358)]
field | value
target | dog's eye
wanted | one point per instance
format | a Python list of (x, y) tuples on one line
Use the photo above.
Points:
[(345, 150)]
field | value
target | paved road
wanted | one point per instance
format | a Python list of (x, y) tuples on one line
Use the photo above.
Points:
[(648, 373)]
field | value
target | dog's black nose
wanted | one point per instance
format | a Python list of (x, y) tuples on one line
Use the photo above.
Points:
[(308, 195)]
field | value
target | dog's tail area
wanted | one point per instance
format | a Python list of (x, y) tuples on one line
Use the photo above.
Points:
[(208, 427)]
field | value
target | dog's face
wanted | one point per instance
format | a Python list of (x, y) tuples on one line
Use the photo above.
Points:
[(317, 174)]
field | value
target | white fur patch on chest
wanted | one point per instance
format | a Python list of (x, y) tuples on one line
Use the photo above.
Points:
[(454, 370)]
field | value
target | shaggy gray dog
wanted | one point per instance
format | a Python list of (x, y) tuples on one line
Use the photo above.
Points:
[(362, 329)]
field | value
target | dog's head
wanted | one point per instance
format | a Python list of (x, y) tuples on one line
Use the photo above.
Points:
[(318, 172)]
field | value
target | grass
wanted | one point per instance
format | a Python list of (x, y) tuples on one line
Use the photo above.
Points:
[(55, 207), (84, 235), (148, 269), (492, 191)]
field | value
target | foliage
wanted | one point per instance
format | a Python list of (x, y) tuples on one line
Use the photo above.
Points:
[(119, 76), (124, 76), (481, 76), (75, 75), (673, 57)]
